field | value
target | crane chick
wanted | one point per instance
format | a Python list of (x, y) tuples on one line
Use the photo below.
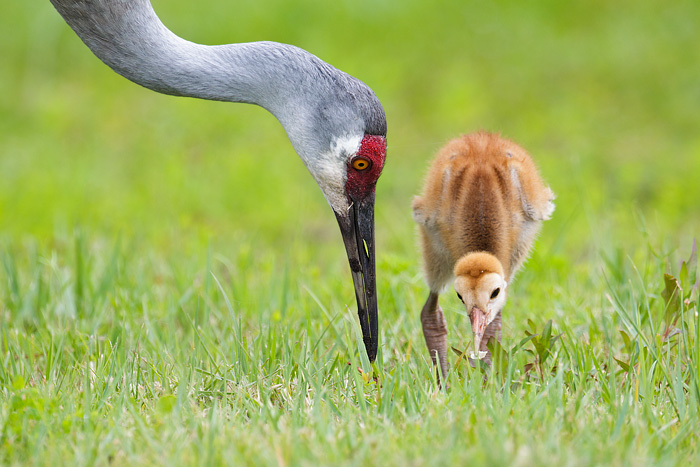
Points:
[(482, 206)]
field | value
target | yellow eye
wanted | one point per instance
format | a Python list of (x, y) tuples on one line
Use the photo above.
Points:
[(361, 163)]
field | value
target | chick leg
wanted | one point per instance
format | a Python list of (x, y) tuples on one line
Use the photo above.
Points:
[(435, 331)]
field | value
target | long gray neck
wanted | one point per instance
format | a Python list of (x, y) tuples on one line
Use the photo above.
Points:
[(315, 102)]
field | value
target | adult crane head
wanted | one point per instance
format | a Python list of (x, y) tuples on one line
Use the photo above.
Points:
[(347, 169), (334, 121)]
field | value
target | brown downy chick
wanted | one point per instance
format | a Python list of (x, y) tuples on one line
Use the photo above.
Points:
[(481, 208)]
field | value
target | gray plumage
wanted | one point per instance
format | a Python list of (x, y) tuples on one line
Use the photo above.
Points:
[(313, 101), (327, 114)]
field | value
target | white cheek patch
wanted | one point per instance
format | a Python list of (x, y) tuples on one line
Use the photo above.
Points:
[(331, 179), (330, 170), (346, 146)]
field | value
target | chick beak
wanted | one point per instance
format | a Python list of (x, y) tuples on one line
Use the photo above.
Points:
[(479, 323)]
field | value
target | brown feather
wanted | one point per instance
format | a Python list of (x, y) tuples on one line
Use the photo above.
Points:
[(482, 193), (481, 208)]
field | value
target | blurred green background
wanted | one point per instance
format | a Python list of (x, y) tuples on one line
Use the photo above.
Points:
[(603, 94)]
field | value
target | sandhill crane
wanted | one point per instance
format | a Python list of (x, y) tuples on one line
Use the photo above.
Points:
[(335, 122), (482, 206)]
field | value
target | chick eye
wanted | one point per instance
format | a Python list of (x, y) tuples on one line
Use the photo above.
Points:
[(460, 297), (360, 163), (495, 293)]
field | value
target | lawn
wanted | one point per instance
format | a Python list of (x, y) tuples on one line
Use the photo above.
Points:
[(173, 288)]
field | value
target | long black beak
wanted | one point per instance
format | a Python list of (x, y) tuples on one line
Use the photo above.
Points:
[(357, 227)]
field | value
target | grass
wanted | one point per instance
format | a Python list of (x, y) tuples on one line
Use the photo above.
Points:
[(173, 288)]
